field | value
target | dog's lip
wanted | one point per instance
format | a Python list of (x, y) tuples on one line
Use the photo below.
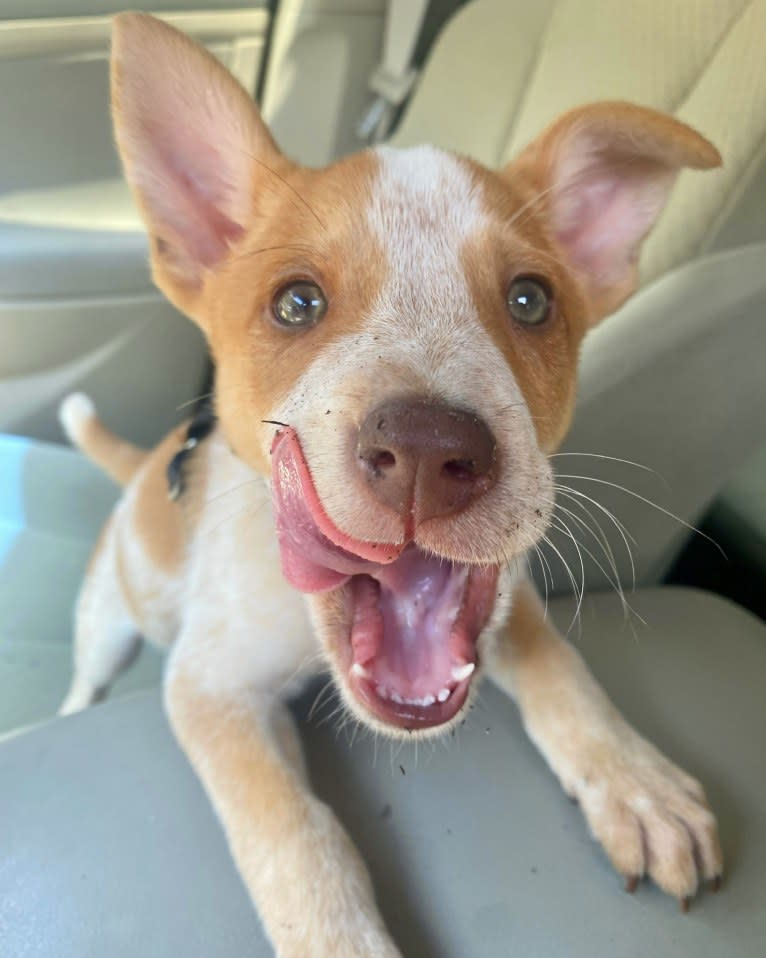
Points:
[(316, 555)]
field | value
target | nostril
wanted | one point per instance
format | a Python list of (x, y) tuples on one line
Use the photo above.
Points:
[(461, 470), (425, 459), (379, 461)]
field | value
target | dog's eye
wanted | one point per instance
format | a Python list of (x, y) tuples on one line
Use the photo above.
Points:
[(299, 304), (529, 301)]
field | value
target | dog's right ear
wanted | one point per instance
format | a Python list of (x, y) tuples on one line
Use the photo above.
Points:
[(603, 172), (190, 138)]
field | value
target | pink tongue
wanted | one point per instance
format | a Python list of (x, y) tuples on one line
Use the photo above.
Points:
[(419, 602), (316, 555)]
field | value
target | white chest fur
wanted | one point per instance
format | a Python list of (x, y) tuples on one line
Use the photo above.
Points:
[(249, 627)]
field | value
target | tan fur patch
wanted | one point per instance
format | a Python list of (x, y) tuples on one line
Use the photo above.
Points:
[(306, 226), (247, 761), (515, 243), (158, 522), (163, 526)]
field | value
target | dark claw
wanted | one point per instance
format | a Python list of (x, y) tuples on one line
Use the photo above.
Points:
[(631, 883), (715, 884), (685, 903)]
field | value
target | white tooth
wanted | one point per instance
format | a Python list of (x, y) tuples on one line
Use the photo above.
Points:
[(443, 695), (461, 672), (428, 700), (395, 697), (360, 671)]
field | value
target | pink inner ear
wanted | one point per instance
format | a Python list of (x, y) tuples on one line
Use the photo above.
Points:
[(189, 196), (601, 216)]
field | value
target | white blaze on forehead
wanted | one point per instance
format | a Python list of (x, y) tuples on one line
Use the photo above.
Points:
[(425, 207)]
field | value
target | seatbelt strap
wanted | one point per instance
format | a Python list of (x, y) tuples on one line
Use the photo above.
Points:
[(395, 76)]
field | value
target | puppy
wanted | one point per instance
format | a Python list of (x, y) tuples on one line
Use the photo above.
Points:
[(396, 341)]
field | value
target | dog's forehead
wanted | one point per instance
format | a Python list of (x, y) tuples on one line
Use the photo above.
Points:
[(425, 182), (424, 206)]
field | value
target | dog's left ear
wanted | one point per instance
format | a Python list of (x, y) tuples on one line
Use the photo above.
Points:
[(194, 149), (604, 172)]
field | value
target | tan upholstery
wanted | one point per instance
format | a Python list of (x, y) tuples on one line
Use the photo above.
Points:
[(687, 402)]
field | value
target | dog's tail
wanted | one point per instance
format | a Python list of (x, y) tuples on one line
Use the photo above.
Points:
[(117, 457)]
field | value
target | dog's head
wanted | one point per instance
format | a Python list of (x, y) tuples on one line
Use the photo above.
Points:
[(396, 340)]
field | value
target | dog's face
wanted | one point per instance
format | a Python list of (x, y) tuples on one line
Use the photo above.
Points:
[(396, 340)]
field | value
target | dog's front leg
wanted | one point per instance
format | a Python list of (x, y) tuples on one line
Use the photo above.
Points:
[(301, 869), (650, 816)]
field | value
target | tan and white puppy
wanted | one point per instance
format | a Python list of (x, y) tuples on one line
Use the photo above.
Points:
[(396, 341)]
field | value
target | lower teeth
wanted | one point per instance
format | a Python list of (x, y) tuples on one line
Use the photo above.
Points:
[(424, 702), (459, 673)]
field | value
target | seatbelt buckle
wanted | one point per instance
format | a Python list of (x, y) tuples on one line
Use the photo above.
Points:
[(371, 119), (390, 92)]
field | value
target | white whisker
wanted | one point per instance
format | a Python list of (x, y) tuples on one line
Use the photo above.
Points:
[(654, 505), (562, 526), (627, 462), (572, 495), (600, 540)]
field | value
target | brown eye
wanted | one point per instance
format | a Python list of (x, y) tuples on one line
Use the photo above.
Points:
[(299, 305), (529, 301)]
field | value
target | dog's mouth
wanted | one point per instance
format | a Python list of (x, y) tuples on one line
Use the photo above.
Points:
[(413, 619), (415, 625)]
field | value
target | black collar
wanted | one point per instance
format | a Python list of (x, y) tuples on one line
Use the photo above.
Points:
[(199, 428)]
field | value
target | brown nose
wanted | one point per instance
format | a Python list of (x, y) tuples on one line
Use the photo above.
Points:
[(425, 459)]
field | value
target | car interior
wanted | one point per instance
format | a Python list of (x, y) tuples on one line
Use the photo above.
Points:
[(655, 565)]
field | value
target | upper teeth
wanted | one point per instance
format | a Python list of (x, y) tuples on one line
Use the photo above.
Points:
[(461, 672), (360, 671)]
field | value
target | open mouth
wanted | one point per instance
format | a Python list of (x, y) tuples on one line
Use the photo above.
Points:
[(414, 618)]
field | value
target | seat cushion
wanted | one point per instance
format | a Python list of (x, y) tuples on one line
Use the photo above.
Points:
[(108, 839), (52, 504)]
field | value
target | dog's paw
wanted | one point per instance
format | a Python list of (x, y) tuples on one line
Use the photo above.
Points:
[(649, 815)]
